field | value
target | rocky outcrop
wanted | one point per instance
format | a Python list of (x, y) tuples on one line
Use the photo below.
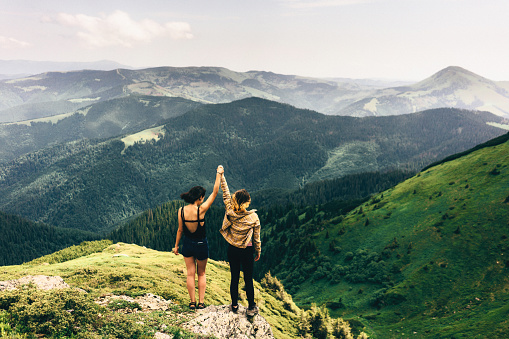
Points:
[(220, 322), (42, 282)]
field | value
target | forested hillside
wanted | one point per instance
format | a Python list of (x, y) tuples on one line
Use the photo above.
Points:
[(95, 185), (22, 240), (102, 120), (348, 187), (426, 257)]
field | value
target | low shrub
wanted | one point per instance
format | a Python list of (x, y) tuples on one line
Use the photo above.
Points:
[(62, 312)]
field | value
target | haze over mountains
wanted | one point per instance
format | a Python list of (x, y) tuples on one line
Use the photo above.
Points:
[(53, 93), (451, 87), (11, 69)]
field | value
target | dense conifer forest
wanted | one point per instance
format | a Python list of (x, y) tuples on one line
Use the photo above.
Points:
[(22, 240)]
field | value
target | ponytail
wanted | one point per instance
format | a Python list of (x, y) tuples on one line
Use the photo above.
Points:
[(240, 200)]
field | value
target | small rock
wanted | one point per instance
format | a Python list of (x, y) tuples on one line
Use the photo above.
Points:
[(160, 335)]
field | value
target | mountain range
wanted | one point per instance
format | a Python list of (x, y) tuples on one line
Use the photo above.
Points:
[(95, 184), (52, 93)]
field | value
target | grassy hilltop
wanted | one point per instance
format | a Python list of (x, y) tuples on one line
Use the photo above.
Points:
[(98, 269), (136, 271), (426, 258)]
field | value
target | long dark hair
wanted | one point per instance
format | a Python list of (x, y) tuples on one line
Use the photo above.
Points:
[(194, 194)]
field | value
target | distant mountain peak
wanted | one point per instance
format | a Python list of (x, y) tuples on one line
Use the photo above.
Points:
[(452, 86), (453, 77), (456, 71)]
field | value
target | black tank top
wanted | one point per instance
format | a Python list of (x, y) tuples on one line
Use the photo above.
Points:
[(200, 232)]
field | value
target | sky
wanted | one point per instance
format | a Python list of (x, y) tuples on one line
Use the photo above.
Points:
[(382, 39)]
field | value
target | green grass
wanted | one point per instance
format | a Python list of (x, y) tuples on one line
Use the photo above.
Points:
[(443, 238)]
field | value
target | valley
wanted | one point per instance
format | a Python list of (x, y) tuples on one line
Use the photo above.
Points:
[(384, 207), (263, 144)]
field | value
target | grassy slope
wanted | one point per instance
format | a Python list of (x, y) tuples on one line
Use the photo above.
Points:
[(451, 225), (150, 271)]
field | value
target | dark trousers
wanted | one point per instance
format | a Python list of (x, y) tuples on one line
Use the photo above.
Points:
[(241, 257)]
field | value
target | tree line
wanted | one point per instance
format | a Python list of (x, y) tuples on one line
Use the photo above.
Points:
[(22, 240)]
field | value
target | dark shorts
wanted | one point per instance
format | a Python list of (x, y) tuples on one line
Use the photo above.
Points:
[(197, 248)]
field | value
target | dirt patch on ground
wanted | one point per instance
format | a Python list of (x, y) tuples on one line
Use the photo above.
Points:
[(42, 282)]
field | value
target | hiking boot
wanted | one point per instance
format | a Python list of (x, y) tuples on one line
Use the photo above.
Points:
[(252, 311)]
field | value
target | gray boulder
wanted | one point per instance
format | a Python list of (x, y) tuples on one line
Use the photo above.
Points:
[(220, 322)]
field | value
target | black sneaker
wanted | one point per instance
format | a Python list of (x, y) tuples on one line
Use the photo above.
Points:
[(234, 309), (252, 311)]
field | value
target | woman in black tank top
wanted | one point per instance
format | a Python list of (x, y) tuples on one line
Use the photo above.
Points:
[(195, 250)]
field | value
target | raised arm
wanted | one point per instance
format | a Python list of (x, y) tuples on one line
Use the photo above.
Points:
[(206, 205), (227, 199)]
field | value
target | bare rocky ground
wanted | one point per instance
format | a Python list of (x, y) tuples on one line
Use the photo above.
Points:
[(220, 322), (42, 282), (148, 302)]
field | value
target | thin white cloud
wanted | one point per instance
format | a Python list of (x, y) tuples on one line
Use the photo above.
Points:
[(306, 4), (119, 29), (11, 43)]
